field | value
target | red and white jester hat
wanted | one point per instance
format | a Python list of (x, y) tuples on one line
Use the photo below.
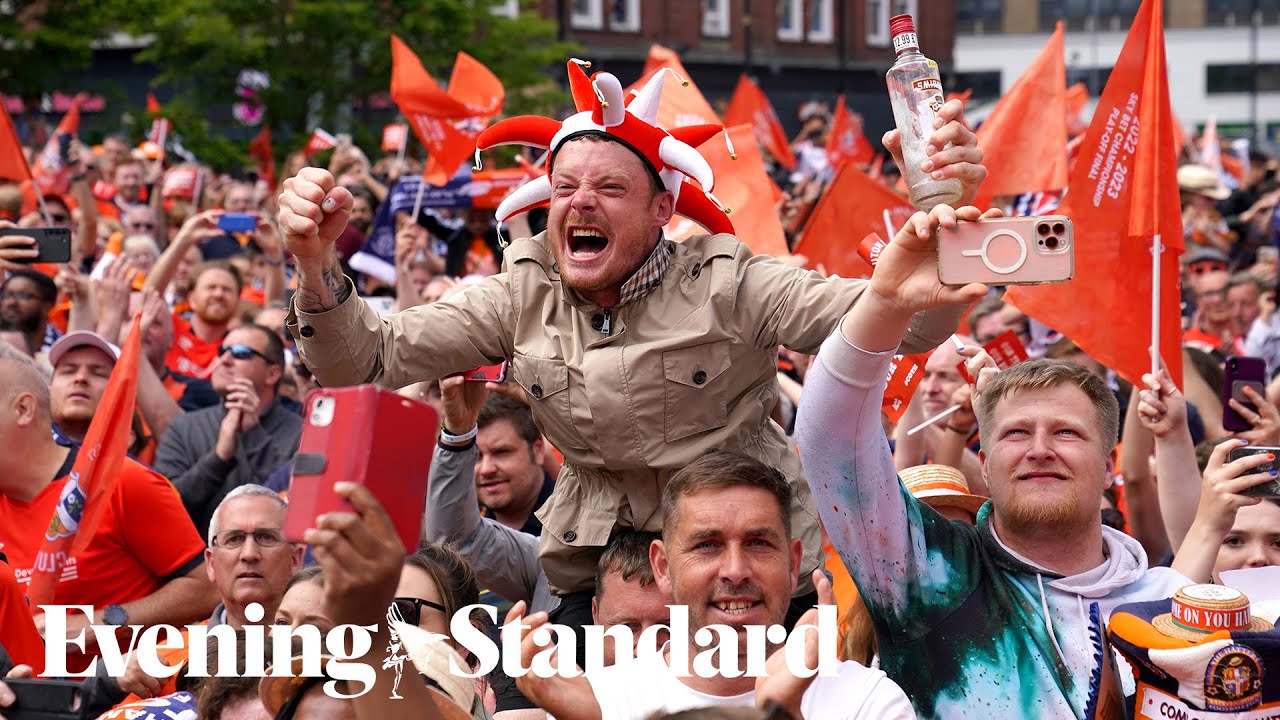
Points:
[(602, 110)]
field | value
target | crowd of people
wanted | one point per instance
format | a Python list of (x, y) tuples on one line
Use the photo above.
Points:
[(681, 424)]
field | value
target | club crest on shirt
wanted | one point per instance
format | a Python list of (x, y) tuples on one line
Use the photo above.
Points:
[(66, 518), (1233, 680)]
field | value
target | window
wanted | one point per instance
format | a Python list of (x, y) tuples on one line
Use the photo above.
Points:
[(985, 84), (1239, 12), (624, 15), (506, 8), (1088, 15), (979, 16), (878, 14), (820, 21), (586, 14), (1220, 79), (791, 20), (1093, 78), (715, 18)]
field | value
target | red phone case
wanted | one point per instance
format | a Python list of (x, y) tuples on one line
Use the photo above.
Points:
[(370, 436), (489, 373)]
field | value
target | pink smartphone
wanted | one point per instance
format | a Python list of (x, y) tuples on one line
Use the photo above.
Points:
[(1008, 251), (489, 373)]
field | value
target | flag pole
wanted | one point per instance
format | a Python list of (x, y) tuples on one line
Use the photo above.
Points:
[(417, 201), (1156, 249), (403, 146)]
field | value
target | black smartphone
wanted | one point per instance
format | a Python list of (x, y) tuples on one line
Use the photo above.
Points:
[(64, 148), (1268, 489), (44, 699), (1242, 372), (54, 243)]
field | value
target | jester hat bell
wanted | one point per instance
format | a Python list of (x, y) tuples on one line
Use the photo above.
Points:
[(603, 110)]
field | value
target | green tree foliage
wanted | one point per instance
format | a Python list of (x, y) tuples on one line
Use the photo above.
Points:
[(326, 58), (40, 40)]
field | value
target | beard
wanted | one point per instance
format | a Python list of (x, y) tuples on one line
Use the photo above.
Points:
[(1033, 512), (215, 313)]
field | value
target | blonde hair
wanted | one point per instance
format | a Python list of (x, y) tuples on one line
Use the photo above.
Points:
[(1043, 374)]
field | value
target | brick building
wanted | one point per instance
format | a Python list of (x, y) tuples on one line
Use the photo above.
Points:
[(797, 50)]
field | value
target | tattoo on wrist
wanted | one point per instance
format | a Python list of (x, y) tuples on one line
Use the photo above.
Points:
[(331, 290)]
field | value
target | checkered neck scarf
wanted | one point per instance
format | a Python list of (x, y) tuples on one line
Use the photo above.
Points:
[(650, 275)]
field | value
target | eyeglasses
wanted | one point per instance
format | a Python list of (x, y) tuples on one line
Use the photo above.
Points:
[(411, 608), (234, 539), (243, 352), (21, 295), (142, 225)]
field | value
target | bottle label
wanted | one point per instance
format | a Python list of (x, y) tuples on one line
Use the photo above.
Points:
[(905, 41), (929, 84)]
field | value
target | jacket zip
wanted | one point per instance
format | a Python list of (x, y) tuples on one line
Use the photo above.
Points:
[(607, 326)]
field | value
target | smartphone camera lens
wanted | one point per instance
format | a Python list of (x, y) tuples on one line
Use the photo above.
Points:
[(1042, 229), (1059, 228), (1051, 242)]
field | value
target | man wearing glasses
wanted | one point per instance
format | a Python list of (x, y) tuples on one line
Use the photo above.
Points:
[(210, 452)]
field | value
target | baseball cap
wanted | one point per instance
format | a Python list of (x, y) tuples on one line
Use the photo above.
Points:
[(81, 338)]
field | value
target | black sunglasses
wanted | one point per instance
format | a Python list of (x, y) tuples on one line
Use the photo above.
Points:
[(411, 608), (243, 352)]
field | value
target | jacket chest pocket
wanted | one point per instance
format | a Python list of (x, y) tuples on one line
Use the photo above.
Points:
[(696, 389), (546, 386)]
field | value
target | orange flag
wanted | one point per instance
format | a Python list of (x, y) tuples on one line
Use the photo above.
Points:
[(447, 123), (1023, 155), (89, 489), (1077, 98), (745, 188), (264, 158), (750, 106), (679, 106), (13, 164), (52, 177), (1211, 146), (846, 142), (319, 141), (160, 126), (1123, 191), (852, 207)]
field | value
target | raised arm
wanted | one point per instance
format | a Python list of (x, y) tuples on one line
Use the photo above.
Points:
[(343, 340), (505, 559), (882, 534), (1163, 411), (1220, 500)]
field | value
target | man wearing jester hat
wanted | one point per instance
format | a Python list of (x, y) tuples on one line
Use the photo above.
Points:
[(637, 354)]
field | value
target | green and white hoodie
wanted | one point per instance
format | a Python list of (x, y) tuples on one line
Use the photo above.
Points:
[(965, 626)]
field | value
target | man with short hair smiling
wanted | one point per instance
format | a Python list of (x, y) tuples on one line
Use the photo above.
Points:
[(627, 593), (214, 298), (728, 555), (210, 452), (129, 182), (994, 620), (511, 482)]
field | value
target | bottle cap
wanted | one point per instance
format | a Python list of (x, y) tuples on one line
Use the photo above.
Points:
[(903, 30)]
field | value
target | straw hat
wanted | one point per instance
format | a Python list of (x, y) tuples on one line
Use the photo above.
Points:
[(941, 486), (1202, 181), (1198, 611)]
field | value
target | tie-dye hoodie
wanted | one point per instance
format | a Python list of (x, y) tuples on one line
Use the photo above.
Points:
[(964, 625)]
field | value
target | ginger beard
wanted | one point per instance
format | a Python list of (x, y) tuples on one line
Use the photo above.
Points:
[(605, 216), (1046, 464)]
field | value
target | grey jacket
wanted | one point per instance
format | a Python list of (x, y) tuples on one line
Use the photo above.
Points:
[(185, 456), (505, 559)]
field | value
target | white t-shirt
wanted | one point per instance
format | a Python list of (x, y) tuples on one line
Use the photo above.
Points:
[(635, 690)]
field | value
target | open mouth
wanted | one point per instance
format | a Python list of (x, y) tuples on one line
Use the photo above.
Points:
[(586, 243)]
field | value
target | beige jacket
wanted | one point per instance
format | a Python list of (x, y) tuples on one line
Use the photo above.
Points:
[(628, 396)]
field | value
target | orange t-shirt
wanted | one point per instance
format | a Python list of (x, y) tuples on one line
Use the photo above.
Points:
[(18, 633), (145, 537), (190, 355)]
